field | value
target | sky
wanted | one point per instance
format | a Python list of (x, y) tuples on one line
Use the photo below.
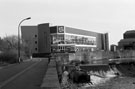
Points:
[(112, 16)]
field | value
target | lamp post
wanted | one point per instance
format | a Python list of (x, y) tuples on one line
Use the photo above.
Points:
[(19, 37)]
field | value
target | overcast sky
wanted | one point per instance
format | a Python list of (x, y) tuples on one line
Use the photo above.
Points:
[(112, 16)]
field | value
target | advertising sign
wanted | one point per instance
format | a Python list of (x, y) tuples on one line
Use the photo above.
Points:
[(60, 29)]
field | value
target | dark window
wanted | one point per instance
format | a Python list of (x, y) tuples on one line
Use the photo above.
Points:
[(35, 35), (36, 49), (35, 42)]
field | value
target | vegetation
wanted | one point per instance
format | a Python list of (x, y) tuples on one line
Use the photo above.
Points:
[(8, 57), (9, 49)]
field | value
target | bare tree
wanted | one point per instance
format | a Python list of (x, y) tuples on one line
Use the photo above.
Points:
[(11, 42)]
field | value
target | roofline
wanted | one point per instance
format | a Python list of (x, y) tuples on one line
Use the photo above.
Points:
[(79, 29)]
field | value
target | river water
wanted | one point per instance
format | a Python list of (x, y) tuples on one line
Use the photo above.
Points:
[(111, 82), (108, 81)]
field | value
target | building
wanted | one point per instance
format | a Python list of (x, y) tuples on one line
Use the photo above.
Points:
[(44, 39), (37, 38), (128, 41), (67, 39), (113, 48)]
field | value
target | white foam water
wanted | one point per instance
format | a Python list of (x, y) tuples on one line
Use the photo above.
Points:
[(99, 79), (96, 79)]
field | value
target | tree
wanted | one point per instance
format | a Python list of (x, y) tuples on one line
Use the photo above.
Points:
[(1, 44), (11, 42), (26, 47), (8, 46)]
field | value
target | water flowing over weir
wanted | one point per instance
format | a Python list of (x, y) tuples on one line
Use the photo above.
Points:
[(96, 67), (126, 69), (101, 73), (124, 66), (98, 74)]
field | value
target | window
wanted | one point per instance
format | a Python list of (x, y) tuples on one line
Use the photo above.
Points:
[(36, 49), (35, 35), (35, 42)]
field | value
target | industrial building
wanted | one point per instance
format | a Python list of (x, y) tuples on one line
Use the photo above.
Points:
[(44, 39), (128, 41), (113, 48)]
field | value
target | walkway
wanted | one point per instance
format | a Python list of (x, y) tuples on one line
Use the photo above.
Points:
[(50, 80)]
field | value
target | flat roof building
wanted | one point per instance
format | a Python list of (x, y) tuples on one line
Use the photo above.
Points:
[(128, 41), (71, 39), (45, 39)]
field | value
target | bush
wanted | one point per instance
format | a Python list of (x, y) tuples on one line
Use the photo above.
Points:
[(9, 57)]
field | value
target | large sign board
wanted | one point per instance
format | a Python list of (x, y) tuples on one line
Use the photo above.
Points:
[(60, 29)]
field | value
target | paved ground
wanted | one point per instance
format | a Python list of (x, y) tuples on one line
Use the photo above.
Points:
[(27, 75), (50, 80)]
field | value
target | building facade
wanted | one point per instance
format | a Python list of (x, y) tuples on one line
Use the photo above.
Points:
[(37, 39), (128, 41), (44, 39), (113, 48), (30, 37), (67, 39)]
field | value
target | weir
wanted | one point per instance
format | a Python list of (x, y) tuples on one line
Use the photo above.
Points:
[(95, 67), (100, 66), (125, 66), (126, 69), (122, 69)]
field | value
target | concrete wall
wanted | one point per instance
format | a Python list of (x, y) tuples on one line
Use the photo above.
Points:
[(44, 44), (30, 36)]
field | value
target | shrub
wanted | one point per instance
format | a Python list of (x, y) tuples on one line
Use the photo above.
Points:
[(9, 57)]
